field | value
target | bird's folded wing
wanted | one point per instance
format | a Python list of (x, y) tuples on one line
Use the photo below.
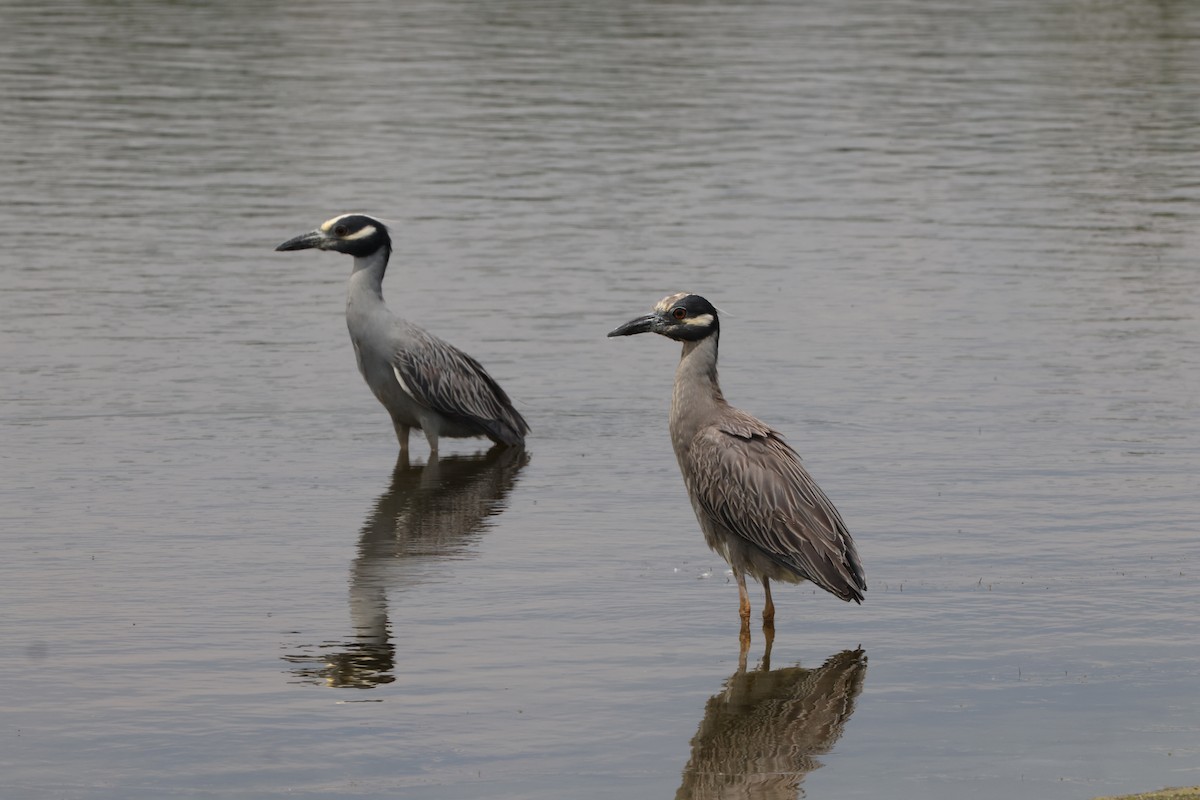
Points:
[(748, 479), (447, 380)]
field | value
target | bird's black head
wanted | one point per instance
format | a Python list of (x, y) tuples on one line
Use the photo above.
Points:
[(683, 317), (352, 234)]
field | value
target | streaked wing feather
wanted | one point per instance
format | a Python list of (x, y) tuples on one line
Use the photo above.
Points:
[(753, 483), (453, 383)]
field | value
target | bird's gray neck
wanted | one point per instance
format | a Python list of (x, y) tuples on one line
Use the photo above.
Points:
[(366, 280), (697, 397)]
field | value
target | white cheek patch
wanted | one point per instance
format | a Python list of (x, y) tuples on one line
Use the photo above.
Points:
[(403, 385), (367, 231), (699, 321)]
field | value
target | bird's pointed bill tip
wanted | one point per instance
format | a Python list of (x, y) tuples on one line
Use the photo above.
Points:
[(304, 241), (640, 325)]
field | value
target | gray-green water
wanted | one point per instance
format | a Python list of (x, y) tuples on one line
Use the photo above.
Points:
[(957, 249)]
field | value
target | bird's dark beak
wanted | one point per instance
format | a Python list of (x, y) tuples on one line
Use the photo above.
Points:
[(644, 324), (304, 241)]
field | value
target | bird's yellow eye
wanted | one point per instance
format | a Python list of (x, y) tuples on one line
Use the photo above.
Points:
[(340, 230), (679, 312)]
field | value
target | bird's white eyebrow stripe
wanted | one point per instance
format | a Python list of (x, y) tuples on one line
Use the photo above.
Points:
[(666, 303), (329, 223), (325, 227)]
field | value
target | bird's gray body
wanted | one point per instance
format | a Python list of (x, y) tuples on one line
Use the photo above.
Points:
[(756, 504), (422, 381)]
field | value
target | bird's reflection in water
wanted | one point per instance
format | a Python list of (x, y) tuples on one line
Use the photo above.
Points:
[(429, 513), (760, 736)]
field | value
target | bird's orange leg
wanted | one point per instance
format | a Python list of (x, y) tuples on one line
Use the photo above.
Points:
[(769, 608), (743, 598), (744, 613)]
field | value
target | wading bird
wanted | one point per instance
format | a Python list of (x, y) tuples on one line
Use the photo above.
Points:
[(422, 381), (757, 505)]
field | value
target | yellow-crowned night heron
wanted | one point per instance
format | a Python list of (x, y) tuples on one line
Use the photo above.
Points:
[(422, 381), (757, 505)]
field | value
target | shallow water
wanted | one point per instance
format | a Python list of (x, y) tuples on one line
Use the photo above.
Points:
[(955, 249)]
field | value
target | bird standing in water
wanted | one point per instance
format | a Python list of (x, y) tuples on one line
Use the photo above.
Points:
[(422, 381), (757, 505)]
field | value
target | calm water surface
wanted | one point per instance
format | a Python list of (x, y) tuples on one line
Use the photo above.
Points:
[(956, 247)]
